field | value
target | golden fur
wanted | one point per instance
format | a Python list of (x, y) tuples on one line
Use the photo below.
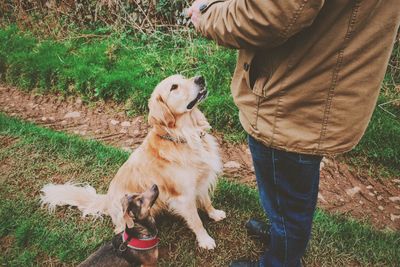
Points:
[(184, 168)]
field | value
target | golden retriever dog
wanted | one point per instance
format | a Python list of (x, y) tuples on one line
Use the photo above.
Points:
[(178, 155)]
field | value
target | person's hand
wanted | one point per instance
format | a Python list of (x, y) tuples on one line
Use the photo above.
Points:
[(194, 12)]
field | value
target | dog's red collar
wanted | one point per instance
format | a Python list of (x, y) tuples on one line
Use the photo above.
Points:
[(141, 244)]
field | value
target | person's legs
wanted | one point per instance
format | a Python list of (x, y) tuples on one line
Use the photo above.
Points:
[(288, 188)]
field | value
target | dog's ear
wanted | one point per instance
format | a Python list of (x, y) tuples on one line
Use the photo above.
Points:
[(125, 205), (159, 113)]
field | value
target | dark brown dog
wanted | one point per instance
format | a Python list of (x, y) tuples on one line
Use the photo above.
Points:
[(137, 245)]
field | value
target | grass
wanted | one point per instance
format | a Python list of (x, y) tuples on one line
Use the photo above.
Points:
[(31, 156), (381, 143), (126, 69)]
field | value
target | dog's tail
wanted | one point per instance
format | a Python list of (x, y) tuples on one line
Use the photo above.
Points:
[(84, 198)]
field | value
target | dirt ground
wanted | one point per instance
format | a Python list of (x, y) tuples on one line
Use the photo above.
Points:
[(377, 201)]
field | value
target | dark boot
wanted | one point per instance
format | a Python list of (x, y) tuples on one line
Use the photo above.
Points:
[(258, 229)]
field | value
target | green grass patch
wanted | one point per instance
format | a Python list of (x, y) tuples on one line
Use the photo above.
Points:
[(381, 143), (126, 68), (31, 156)]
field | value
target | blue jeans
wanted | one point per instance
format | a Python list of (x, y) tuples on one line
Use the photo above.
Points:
[(288, 188)]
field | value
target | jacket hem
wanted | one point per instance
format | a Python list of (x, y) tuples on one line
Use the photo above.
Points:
[(318, 152)]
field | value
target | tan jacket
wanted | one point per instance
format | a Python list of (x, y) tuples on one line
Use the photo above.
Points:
[(308, 72)]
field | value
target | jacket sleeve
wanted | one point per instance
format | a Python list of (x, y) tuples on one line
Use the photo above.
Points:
[(256, 23)]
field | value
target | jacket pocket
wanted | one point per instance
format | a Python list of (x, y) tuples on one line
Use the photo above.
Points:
[(244, 65), (266, 64), (259, 74)]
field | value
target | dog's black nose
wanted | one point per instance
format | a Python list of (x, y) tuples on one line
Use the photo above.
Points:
[(199, 80)]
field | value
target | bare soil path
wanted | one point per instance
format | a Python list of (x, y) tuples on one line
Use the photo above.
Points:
[(376, 201)]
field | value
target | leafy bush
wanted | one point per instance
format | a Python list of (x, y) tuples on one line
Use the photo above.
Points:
[(171, 9), (61, 17)]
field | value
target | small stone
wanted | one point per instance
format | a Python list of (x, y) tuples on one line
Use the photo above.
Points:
[(129, 141), (394, 199), (321, 165), (44, 119), (369, 187), (125, 124), (341, 200), (136, 132), (396, 181), (394, 217), (361, 202), (114, 122), (72, 115), (321, 197), (381, 208), (352, 191), (78, 101), (52, 119), (232, 165), (371, 194), (123, 131), (63, 122), (379, 197), (127, 149), (397, 207)]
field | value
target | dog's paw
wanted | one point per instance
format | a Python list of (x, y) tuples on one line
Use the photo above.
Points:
[(206, 242), (217, 215)]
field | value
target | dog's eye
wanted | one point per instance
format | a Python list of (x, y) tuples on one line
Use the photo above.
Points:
[(174, 87)]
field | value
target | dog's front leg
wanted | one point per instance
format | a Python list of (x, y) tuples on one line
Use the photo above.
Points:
[(205, 201), (188, 210), (213, 213)]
